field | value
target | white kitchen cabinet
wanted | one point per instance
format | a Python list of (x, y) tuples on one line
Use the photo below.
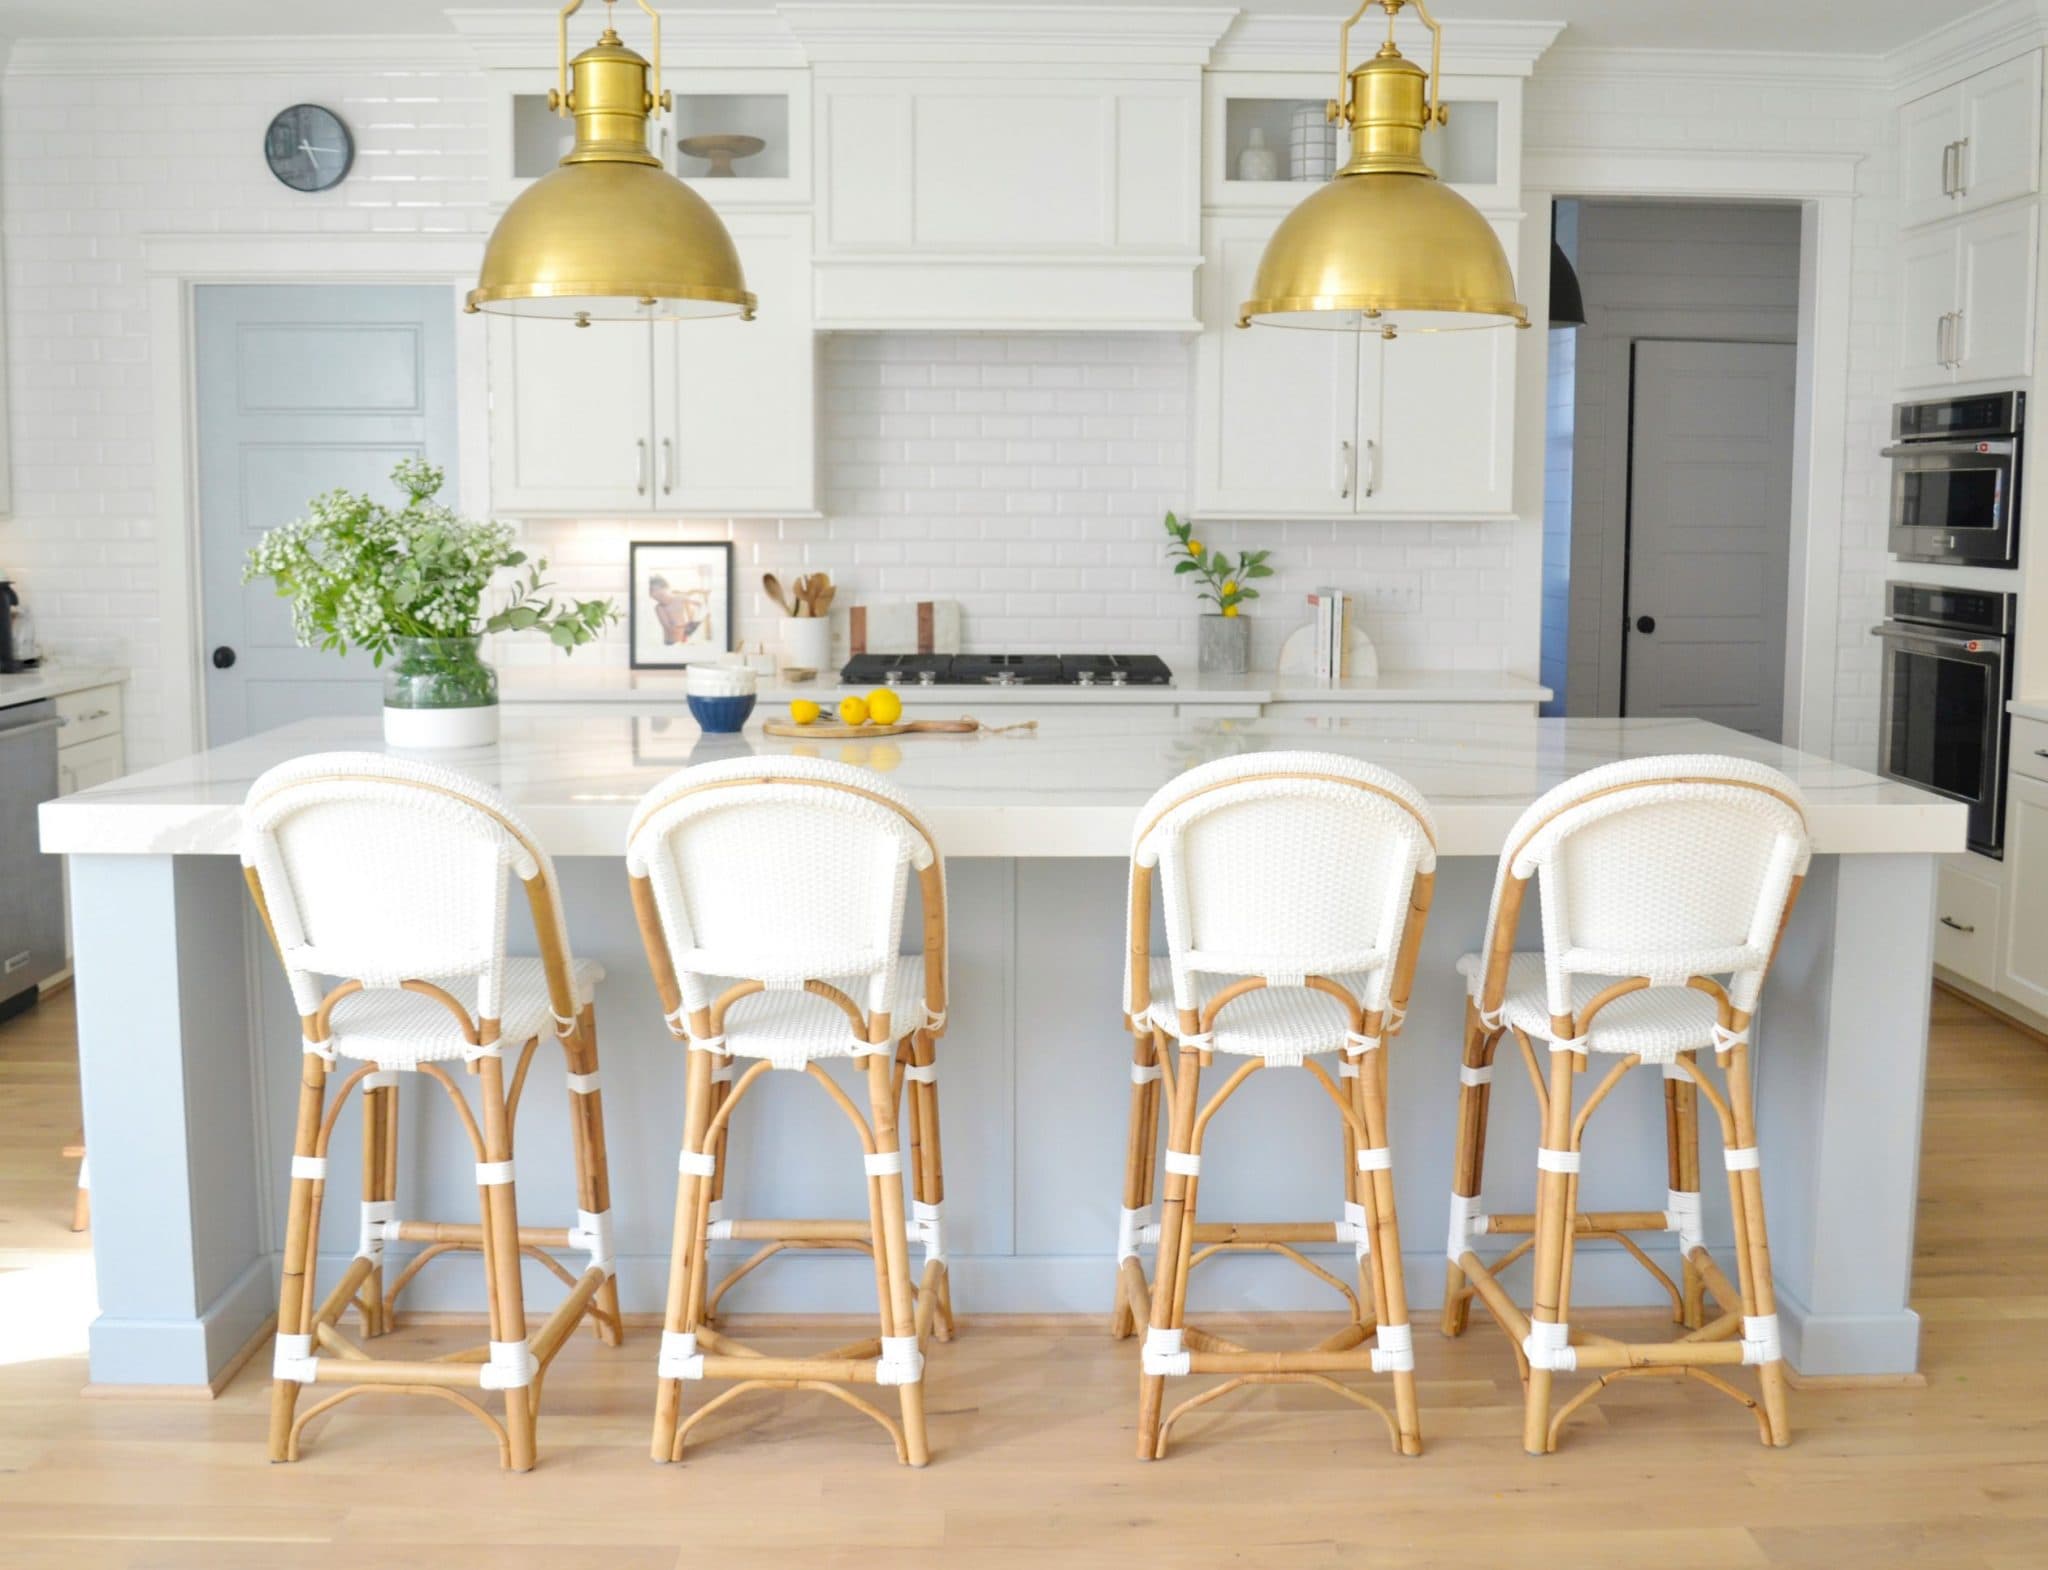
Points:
[(2023, 949), (1310, 424), (1968, 899), (1972, 145), (1966, 299), (714, 416)]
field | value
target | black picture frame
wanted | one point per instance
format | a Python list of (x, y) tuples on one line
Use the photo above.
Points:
[(694, 621)]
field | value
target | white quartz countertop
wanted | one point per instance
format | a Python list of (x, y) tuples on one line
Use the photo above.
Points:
[(570, 683), (2030, 708), (1071, 787), (53, 681)]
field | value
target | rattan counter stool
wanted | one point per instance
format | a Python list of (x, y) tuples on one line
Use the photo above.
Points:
[(1664, 884), (1295, 888), (768, 952), (383, 884)]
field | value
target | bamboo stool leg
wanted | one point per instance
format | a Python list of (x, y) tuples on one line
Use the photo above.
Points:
[(81, 1192), (1467, 1182), (1552, 1228), (1140, 1155), (500, 1217), (892, 1244), (1376, 1193), (1752, 1246), (1682, 1137), (593, 1167), (928, 1169), (377, 1190), (294, 1316), (686, 1250), (1176, 1233)]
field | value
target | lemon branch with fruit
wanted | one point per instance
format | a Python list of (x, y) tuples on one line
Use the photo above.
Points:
[(1224, 583)]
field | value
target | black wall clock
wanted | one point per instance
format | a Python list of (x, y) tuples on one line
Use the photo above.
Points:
[(308, 148)]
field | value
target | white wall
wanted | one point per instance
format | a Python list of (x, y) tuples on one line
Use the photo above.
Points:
[(1653, 270)]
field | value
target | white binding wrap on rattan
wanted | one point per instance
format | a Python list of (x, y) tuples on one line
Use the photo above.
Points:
[(489, 1174), (1550, 1346), (728, 850), (293, 1359), (679, 1358), (512, 1366), (565, 1024), (1347, 1068), (1356, 1045), (1467, 1222), (1579, 1044), (1135, 1228), (1394, 1350), (1740, 1158), (378, 1221), (323, 1050), (1548, 1160), (1164, 1353), (883, 1163), (1760, 1338), (593, 1234), (1475, 1074), (716, 1224), (1144, 1073), (928, 1227), (921, 1073), (1355, 1229), (1682, 1215), (1664, 868), (697, 1163), (383, 869), (1375, 1158), (1186, 1163), (584, 1084), (1284, 866), (309, 1168), (901, 1362), (1726, 1040)]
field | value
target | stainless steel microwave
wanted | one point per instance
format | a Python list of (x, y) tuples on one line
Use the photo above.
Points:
[(1956, 479)]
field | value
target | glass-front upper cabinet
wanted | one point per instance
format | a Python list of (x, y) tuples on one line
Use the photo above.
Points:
[(739, 136), (1268, 135)]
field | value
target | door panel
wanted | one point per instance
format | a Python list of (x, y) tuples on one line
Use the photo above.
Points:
[(1927, 293), (303, 389), (2001, 130), (1995, 340), (1710, 506), (571, 415), (1927, 128), (1446, 406)]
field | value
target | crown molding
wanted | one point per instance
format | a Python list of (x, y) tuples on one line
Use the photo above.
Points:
[(1714, 67), (1309, 43), (386, 54), (1695, 172), (921, 31), (1966, 45), (503, 38)]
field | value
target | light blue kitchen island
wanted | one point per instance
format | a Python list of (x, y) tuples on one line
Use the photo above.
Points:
[(189, 1043)]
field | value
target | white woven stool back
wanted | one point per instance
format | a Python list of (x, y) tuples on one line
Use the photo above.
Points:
[(379, 869), (1665, 868), (778, 870), (1285, 865)]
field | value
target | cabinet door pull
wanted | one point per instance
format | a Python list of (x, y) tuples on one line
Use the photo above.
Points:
[(1372, 466), (1962, 181), (640, 467), (1948, 165), (1348, 467), (668, 465), (2041, 752), (1955, 340), (1951, 923)]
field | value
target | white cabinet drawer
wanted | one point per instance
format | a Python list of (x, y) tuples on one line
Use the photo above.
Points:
[(1966, 909), (2030, 747), (88, 764), (89, 715)]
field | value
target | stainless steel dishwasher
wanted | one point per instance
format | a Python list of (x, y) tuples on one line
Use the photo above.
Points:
[(31, 884)]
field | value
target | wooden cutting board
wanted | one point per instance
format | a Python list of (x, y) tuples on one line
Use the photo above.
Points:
[(833, 730)]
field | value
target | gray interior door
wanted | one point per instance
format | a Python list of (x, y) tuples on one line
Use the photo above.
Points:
[(303, 389), (1709, 532)]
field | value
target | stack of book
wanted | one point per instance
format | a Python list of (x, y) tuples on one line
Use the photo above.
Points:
[(1332, 608)]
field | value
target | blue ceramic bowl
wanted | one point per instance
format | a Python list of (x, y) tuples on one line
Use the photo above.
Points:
[(721, 716)]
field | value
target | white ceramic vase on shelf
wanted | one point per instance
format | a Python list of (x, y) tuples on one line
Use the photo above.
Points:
[(1258, 161)]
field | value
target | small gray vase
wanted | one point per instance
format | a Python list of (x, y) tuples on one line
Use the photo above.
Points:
[(1222, 644)]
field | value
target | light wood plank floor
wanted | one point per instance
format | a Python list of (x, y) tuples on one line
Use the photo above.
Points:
[(1032, 1431)]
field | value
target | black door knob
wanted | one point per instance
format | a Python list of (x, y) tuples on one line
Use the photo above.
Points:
[(1643, 624), (223, 657)]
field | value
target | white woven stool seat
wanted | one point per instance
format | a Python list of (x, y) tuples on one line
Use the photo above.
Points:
[(1283, 1025), (1655, 1024), (791, 1029), (402, 1030)]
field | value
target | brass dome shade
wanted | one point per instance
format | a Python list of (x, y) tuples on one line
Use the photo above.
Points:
[(1385, 247), (610, 234)]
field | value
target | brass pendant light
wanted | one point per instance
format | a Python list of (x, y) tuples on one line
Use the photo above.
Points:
[(1386, 246), (610, 234)]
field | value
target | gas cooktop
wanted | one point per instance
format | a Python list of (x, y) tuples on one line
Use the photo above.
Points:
[(1006, 670)]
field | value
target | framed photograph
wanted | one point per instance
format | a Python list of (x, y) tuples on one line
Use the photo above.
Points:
[(679, 603)]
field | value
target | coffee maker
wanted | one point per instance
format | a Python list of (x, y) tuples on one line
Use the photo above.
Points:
[(17, 632)]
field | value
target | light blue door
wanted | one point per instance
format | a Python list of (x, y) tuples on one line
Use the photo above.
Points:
[(303, 389)]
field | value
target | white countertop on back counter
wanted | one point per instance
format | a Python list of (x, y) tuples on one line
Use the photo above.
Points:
[(571, 683), (53, 681), (2030, 709), (1071, 787)]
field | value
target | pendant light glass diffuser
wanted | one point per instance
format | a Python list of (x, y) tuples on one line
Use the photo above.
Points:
[(610, 234), (1386, 246)]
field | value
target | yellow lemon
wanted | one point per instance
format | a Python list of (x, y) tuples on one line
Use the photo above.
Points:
[(1230, 610), (1194, 547), (854, 711), (803, 711), (884, 706)]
